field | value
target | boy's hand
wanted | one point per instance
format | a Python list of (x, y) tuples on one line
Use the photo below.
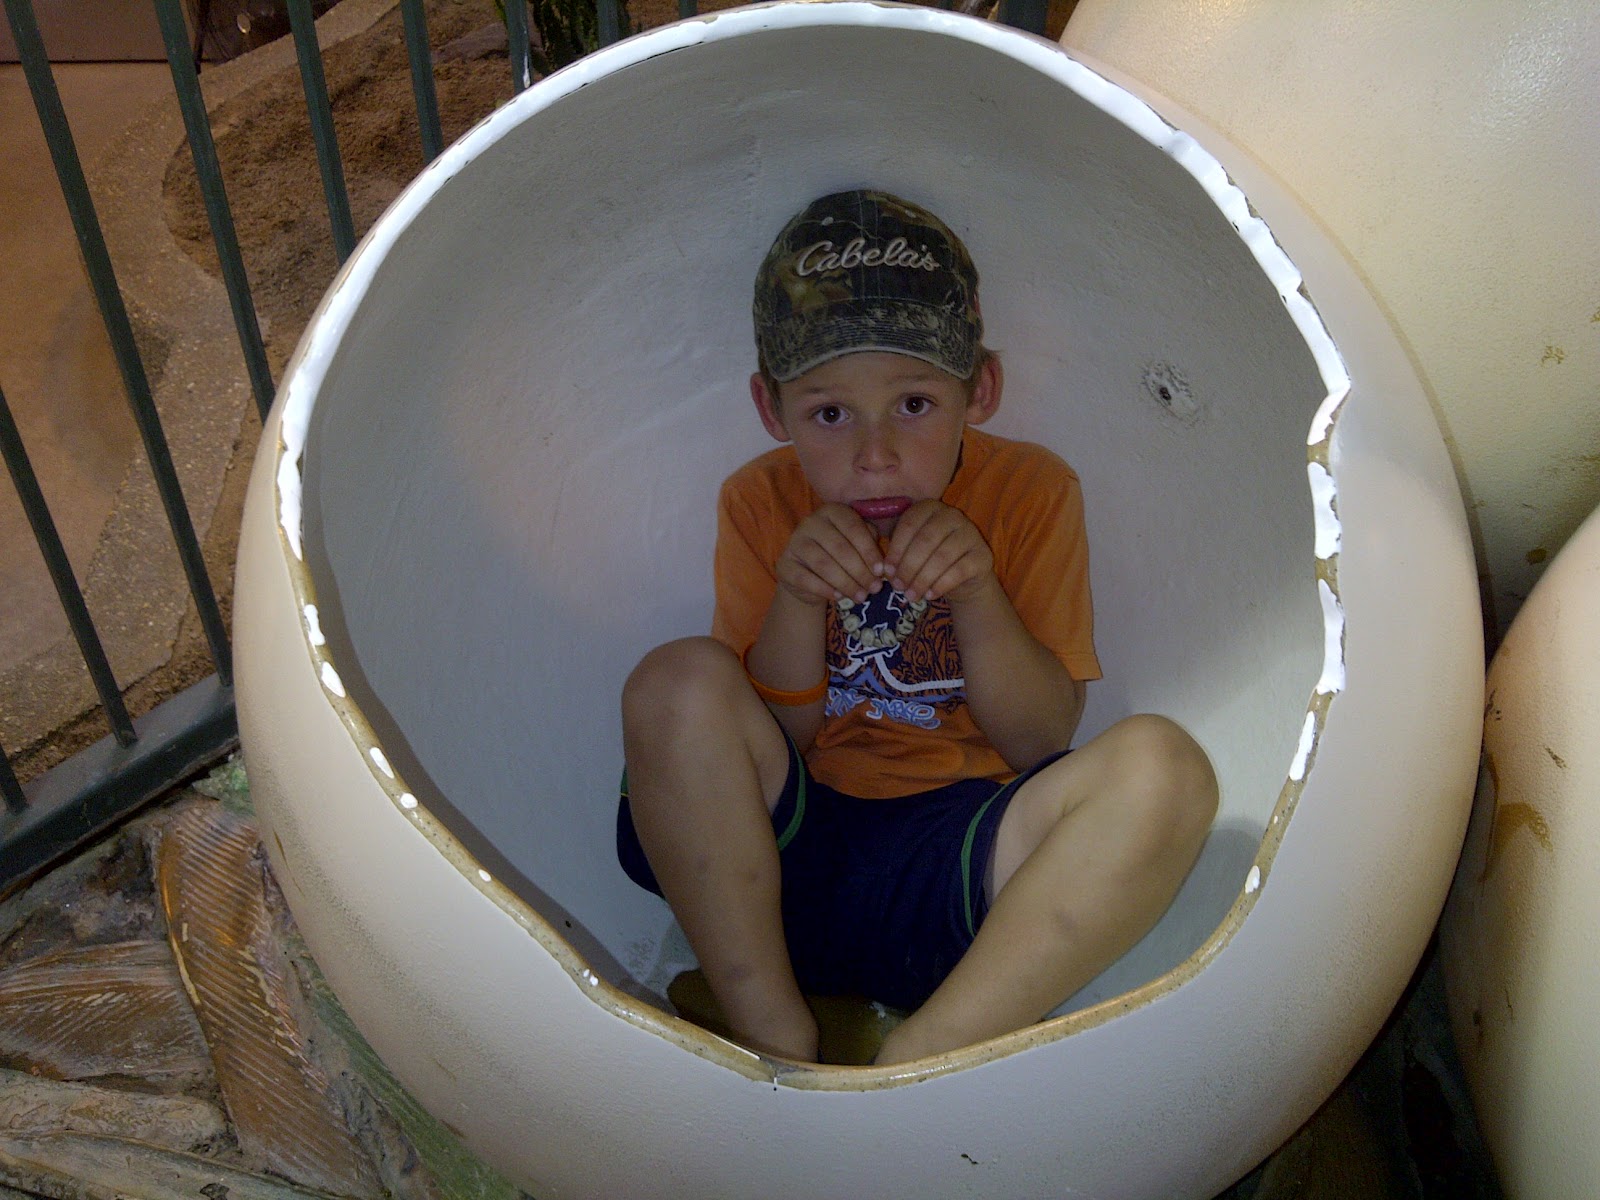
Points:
[(831, 554), (937, 552)]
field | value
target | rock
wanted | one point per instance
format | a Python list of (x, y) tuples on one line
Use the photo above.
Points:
[(212, 882), (31, 1107), (69, 1166), (97, 1011)]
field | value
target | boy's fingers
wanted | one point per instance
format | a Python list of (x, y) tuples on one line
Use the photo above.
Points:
[(839, 549), (849, 524), (911, 523), (942, 549), (919, 577), (804, 582), (813, 562), (930, 546)]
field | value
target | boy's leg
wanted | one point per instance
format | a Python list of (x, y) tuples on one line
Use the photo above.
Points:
[(706, 766), (1089, 854)]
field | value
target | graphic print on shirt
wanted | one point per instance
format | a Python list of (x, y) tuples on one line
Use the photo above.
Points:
[(901, 663)]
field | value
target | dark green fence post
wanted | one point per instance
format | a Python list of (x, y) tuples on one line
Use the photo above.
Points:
[(209, 172), (1026, 15), (322, 132), (609, 13), (421, 56), (61, 574), (517, 35), (10, 789)]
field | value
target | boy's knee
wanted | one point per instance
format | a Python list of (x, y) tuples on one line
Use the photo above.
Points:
[(1173, 769), (682, 677)]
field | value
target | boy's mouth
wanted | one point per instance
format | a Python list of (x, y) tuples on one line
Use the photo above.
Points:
[(881, 508)]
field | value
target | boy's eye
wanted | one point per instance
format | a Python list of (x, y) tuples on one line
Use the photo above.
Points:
[(916, 404), (829, 414)]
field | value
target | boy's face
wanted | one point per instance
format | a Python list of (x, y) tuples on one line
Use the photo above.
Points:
[(877, 426)]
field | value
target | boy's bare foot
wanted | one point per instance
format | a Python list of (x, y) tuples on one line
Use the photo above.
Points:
[(850, 1029)]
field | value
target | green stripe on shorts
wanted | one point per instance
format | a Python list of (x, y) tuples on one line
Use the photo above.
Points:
[(798, 766), (966, 859)]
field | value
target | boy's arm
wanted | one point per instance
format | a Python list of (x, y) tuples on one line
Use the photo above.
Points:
[(1019, 692), (832, 553), (788, 656)]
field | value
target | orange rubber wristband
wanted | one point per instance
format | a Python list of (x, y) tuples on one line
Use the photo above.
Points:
[(783, 699)]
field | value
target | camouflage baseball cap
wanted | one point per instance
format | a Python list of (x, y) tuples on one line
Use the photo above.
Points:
[(864, 270)]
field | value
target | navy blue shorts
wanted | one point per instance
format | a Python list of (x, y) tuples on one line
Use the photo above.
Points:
[(881, 898)]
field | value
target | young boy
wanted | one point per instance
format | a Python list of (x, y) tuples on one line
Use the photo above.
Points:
[(860, 782)]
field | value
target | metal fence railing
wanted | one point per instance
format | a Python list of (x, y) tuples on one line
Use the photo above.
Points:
[(142, 757)]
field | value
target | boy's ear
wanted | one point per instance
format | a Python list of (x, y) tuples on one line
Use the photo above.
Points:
[(767, 406), (986, 391)]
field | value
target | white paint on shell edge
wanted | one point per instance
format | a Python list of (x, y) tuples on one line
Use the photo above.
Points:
[(314, 625), (1302, 754), (1332, 680), (289, 502), (1323, 497), (331, 680), (1327, 411)]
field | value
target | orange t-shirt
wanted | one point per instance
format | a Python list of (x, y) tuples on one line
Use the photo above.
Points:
[(896, 720)]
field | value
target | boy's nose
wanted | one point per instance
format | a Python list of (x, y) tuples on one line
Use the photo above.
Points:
[(876, 449)]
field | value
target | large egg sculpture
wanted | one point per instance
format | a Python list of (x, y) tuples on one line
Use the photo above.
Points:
[(1522, 966), (487, 487), (1451, 150)]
